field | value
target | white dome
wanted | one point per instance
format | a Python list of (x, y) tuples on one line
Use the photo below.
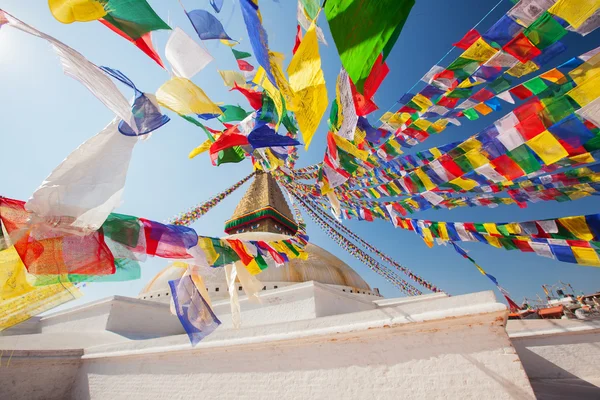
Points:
[(320, 266)]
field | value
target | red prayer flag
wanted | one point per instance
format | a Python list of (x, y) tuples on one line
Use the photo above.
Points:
[(144, 43), (254, 98), (482, 95), (244, 65), (467, 40), (506, 167), (298, 39), (521, 48), (521, 92), (230, 138)]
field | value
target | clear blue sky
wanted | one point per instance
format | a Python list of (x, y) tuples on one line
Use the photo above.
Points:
[(45, 115)]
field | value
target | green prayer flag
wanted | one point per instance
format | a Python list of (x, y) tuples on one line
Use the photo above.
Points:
[(262, 264), (471, 114), (558, 109), (463, 163), (124, 229), (500, 85), (545, 31), (536, 85), (462, 93), (231, 155), (361, 30), (233, 113), (134, 17), (524, 157), (311, 7), (239, 55)]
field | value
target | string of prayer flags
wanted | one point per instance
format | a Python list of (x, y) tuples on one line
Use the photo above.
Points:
[(186, 57), (363, 257), (359, 51), (511, 303), (188, 217), (207, 26), (308, 85), (569, 239), (371, 248)]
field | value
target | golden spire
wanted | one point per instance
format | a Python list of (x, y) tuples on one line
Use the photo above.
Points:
[(262, 209)]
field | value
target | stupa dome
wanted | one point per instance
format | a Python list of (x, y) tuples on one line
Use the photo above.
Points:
[(263, 214), (320, 266)]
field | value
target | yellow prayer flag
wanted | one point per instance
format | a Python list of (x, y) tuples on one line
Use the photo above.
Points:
[(479, 51), (586, 256), (396, 146), (443, 231), (428, 237), (253, 267), (386, 116), (233, 77), (470, 144), (586, 70), (491, 228), (68, 11), (436, 152), (587, 91), (412, 203), (423, 102), (35, 302), (440, 125), (547, 148), (578, 227), (481, 271), (422, 124), (395, 187), (465, 184), (467, 84), (476, 158), (514, 228), (184, 97), (521, 69), (13, 275), (348, 147), (200, 149), (584, 158), (575, 12), (425, 179), (308, 85), (492, 240), (276, 61), (209, 251)]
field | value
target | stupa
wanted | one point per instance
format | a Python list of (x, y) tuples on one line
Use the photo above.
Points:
[(319, 332)]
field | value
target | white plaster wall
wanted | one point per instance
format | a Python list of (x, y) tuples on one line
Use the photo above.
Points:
[(561, 357), (38, 375), (455, 358), (139, 319)]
